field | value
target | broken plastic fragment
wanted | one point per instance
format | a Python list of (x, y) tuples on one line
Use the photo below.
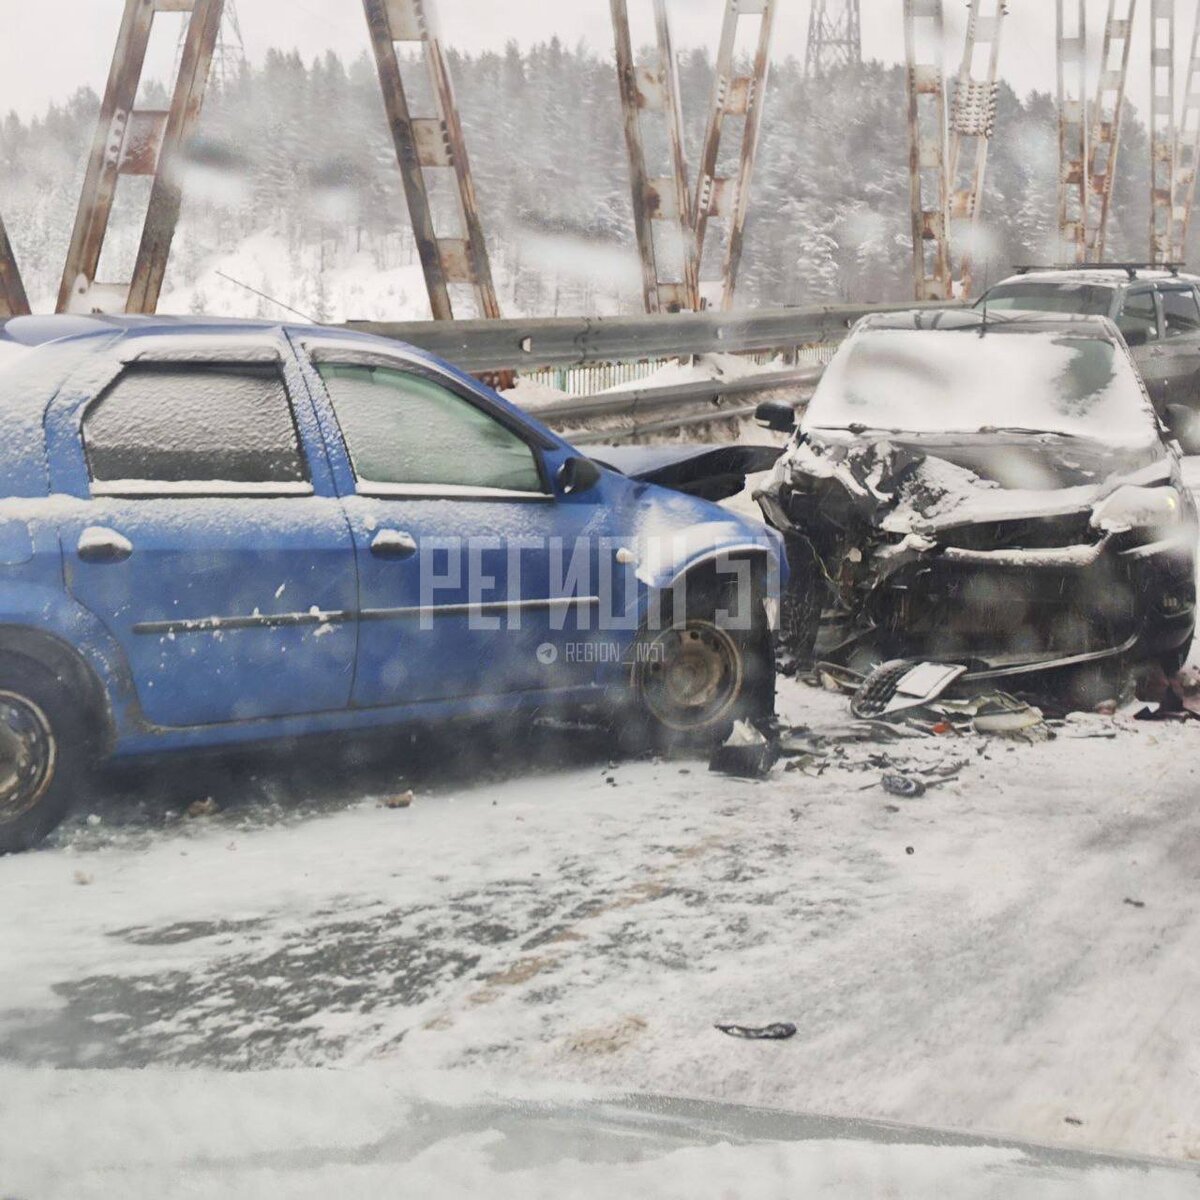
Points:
[(745, 753), (901, 685)]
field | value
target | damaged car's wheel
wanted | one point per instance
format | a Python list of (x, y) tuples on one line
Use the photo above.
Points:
[(694, 676), (802, 601), (1086, 688)]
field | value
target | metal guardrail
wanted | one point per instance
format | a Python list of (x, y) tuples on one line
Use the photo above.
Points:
[(678, 406), (537, 345), (523, 345), (639, 401)]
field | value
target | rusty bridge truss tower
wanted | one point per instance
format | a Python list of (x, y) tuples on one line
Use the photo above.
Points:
[(722, 203), (949, 137), (834, 37), (678, 226), (662, 203), (1187, 151), (972, 126), (1104, 142), (1162, 127), (138, 141), (1073, 187), (929, 177), (432, 153), (13, 301)]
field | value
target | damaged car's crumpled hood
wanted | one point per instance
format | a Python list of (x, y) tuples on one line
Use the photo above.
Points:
[(931, 483)]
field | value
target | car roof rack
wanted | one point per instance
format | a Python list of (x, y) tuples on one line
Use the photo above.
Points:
[(1130, 268)]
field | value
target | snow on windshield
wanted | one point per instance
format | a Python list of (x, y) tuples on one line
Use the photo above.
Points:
[(924, 381), (1086, 299)]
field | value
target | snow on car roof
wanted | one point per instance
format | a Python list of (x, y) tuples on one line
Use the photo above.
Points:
[(38, 353), (1116, 276), (39, 329)]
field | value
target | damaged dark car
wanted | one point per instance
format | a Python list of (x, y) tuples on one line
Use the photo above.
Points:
[(993, 491)]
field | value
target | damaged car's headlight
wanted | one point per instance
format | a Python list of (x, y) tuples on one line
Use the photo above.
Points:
[(1134, 509)]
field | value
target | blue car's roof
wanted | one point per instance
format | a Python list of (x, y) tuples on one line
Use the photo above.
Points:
[(40, 329), (29, 382)]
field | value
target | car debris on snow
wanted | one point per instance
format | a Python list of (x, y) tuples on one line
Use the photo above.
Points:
[(746, 753), (777, 1032), (903, 785), (901, 685)]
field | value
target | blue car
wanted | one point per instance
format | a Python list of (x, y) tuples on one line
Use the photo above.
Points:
[(217, 532)]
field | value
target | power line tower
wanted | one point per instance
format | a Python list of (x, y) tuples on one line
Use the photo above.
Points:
[(834, 37), (229, 54)]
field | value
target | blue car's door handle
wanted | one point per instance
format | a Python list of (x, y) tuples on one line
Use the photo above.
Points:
[(393, 543), (100, 545)]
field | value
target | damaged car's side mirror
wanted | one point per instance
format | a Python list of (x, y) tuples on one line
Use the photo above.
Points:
[(1184, 426), (577, 475), (776, 415)]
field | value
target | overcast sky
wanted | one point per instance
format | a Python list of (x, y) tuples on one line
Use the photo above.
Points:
[(51, 47)]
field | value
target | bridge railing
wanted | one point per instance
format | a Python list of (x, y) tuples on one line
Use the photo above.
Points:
[(584, 355)]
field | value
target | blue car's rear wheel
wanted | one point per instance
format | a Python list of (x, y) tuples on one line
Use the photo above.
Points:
[(42, 751)]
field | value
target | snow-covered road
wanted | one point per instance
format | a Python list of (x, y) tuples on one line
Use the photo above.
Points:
[(1016, 951)]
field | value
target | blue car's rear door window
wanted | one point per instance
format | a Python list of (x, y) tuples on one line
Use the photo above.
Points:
[(177, 423), (234, 592)]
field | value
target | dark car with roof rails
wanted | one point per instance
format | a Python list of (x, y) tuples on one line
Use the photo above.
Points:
[(1157, 310)]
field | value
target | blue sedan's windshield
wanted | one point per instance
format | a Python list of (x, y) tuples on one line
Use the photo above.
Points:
[(955, 381)]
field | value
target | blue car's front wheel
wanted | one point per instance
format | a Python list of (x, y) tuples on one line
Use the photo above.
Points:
[(698, 672), (691, 678)]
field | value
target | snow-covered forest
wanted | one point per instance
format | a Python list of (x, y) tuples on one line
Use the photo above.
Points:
[(293, 189)]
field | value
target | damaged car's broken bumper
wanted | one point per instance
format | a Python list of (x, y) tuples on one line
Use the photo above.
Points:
[(1014, 611)]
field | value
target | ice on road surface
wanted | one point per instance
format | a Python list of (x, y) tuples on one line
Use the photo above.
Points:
[(1016, 951)]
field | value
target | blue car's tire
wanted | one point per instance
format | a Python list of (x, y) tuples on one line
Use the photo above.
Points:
[(693, 678), (44, 752)]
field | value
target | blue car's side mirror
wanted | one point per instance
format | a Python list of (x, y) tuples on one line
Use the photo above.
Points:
[(577, 475)]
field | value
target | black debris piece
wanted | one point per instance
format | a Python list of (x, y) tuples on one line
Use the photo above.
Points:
[(780, 1031), (903, 785), (746, 753)]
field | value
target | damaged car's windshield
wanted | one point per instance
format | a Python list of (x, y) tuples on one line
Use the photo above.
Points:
[(1085, 299), (920, 381)]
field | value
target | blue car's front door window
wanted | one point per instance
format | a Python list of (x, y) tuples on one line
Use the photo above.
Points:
[(230, 584), (405, 429), (474, 578)]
